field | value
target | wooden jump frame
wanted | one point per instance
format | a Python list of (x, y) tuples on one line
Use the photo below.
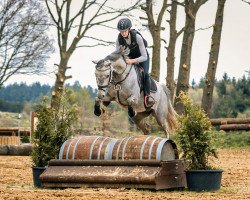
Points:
[(232, 124)]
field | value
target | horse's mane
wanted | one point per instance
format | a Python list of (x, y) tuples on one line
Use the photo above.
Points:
[(114, 55), (122, 51)]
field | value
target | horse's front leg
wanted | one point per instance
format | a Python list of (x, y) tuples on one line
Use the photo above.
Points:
[(97, 107), (131, 102)]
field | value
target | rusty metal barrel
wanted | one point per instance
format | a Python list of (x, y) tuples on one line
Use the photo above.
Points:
[(129, 148), (144, 148), (84, 147)]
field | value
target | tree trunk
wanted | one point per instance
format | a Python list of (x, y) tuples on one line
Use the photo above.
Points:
[(155, 73), (207, 96), (155, 30), (191, 9), (185, 61), (171, 51), (59, 84)]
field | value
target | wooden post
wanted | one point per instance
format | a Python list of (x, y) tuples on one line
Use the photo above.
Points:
[(33, 121), (220, 121), (233, 127)]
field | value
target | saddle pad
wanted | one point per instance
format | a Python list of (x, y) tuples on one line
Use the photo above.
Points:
[(153, 87), (139, 72), (140, 77)]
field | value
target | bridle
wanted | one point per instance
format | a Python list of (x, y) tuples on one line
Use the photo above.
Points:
[(111, 79), (103, 87), (120, 81), (116, 84)]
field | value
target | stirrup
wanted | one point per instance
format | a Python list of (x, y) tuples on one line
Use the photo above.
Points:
[(149, 104)]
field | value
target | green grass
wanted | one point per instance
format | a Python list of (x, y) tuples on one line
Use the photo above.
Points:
[(233, 139), (222, 139), (8, 119)]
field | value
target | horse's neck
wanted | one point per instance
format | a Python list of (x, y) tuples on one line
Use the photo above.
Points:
[(121, 91), (132, 77), (128, 75), (120, 66), (128, 80)]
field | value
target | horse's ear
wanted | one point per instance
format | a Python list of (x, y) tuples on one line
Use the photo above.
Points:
[(122, 47), (95, 61), (126, 51), (107, 63)]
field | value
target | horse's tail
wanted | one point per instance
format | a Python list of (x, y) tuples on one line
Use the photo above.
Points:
[(171, 115)]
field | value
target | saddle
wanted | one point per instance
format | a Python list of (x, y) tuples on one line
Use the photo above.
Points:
[(140, 77)]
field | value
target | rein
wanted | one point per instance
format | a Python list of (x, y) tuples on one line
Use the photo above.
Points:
[(118, 82), (117, 86)]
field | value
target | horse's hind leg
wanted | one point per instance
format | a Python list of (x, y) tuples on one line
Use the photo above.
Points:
[(138, 119), (161, 120)]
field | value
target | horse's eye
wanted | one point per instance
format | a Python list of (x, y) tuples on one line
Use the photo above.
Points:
[(107, 76)]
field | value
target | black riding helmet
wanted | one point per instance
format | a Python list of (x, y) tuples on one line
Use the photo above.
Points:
[(124, 24)]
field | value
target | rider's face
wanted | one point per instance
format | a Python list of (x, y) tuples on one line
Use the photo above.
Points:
[(124, 33)]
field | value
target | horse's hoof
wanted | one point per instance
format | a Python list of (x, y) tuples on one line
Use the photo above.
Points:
[(131, 112), (97, 111)]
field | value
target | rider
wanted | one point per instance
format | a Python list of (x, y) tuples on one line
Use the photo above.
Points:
[(138, 53)]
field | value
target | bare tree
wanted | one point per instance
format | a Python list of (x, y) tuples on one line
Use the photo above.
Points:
[(173, 35), (72, 26), (191, 9), (248, 2), (207, 96), (155, 30), (24, 43)]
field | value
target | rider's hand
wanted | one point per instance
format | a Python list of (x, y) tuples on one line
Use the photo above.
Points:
[(131, 61)]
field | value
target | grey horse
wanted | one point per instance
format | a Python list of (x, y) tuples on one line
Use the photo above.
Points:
[(118, 81)]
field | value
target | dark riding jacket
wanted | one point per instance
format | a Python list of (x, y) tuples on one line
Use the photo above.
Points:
[(134, 47)]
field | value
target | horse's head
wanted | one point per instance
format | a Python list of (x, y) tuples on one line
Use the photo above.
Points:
[(102, 74), (113, 63)]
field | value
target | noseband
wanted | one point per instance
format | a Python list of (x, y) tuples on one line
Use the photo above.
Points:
[(103, 87)]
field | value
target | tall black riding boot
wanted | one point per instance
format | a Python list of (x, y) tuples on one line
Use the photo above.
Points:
[(148, 100)]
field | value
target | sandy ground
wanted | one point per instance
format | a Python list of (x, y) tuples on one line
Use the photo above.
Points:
[(16, 182)]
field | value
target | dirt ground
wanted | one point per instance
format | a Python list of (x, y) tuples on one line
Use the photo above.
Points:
[(16, 182)]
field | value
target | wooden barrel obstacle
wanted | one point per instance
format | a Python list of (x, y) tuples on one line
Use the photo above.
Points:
[(11, 145), (131, 162), (10, 140), (232, 124), (16, 150), (105, 148)]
